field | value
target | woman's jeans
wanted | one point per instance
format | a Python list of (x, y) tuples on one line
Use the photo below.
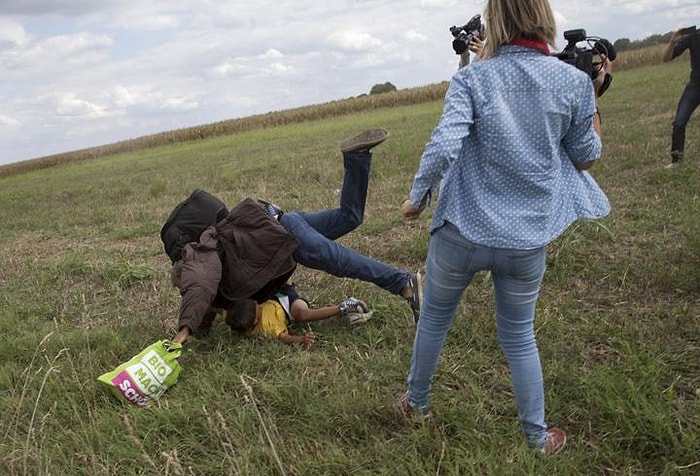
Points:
[(317, 231), (451, 265), (689, 101)]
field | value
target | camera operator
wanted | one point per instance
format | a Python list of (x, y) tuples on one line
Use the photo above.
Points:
[(475, 46), (518, 130), (684, 39), (468, 38), (600, 84)]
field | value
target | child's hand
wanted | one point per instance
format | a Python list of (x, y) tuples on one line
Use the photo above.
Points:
[(309, 340)]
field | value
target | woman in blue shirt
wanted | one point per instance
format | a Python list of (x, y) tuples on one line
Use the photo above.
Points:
[(518, 130)]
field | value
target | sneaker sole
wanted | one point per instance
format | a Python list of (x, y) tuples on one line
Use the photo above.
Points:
[(364, 140), (417, 293)]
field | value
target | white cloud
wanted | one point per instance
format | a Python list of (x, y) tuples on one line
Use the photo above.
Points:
[(7, 121), (414, 36), (12, 34), (56, 53), (354, 40), (279, 68), (272, 53), (145, 18), (68, 104), (178, 103), (122, 97), (229, 68)]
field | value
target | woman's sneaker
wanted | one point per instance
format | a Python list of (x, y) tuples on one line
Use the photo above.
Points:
[(556, 440)]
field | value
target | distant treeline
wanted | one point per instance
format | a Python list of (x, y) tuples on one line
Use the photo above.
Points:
[(624, 44), (632, 58)]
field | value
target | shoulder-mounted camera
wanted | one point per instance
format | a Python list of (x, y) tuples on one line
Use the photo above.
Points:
[(464, 34), (587, 54)]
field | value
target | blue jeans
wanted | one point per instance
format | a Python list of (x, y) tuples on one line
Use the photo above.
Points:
[(689, 101), (317, 231), (517, 275)]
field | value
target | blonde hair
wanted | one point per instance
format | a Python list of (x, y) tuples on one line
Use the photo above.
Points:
[(507, 20)]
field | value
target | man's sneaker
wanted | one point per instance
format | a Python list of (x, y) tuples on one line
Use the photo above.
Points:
[(359, 317), (364, 141), (415, 282), (272, 209), (411, 412), (556, 440), (672, 165)]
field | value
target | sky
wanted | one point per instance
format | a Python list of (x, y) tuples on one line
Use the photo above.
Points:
[(82, 73)]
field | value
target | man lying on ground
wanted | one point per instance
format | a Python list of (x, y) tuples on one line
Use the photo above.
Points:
[(252, 252)]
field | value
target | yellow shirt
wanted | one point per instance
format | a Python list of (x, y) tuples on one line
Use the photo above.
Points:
[(273, 320)]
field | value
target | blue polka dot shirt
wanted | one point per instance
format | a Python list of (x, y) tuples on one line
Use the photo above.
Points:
[(503, 153)]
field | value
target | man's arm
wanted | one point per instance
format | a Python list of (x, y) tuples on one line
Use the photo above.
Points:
[(182, 335), (675, 38), (199, 279)]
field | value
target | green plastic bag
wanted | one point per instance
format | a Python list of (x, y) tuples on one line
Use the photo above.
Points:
[(147, 375)]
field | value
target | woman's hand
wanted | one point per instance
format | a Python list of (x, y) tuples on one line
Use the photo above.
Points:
[(410, 213), (476, 45)]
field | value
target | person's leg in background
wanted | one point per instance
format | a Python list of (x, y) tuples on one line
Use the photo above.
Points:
[(689, 101), (357, 158), (319, 252)]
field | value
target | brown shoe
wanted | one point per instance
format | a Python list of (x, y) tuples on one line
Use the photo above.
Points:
[(364, 141), (556, 440)]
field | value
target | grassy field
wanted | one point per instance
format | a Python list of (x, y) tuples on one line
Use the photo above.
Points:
[(84, 285)]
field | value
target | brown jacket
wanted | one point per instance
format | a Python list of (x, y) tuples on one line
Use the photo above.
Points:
[(247, 255)]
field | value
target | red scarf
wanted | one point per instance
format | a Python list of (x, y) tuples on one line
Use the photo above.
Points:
[(538, 45)]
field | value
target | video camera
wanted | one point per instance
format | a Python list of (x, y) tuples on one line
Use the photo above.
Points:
[(464, 34), (583, 57)]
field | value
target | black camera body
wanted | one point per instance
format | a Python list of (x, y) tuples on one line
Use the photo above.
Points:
[(582, 57), (464, 34)]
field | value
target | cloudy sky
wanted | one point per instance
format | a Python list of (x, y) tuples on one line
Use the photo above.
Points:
[(81, 73)]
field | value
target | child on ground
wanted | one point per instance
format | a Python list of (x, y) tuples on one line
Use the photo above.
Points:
[(272, 317)]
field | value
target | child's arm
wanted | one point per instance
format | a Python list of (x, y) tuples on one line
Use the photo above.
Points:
[(301, 312), (306, 340)]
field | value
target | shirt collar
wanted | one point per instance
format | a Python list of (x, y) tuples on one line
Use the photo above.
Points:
[(538, 45)]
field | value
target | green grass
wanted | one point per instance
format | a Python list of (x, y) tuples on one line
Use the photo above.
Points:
[(84, 285)]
